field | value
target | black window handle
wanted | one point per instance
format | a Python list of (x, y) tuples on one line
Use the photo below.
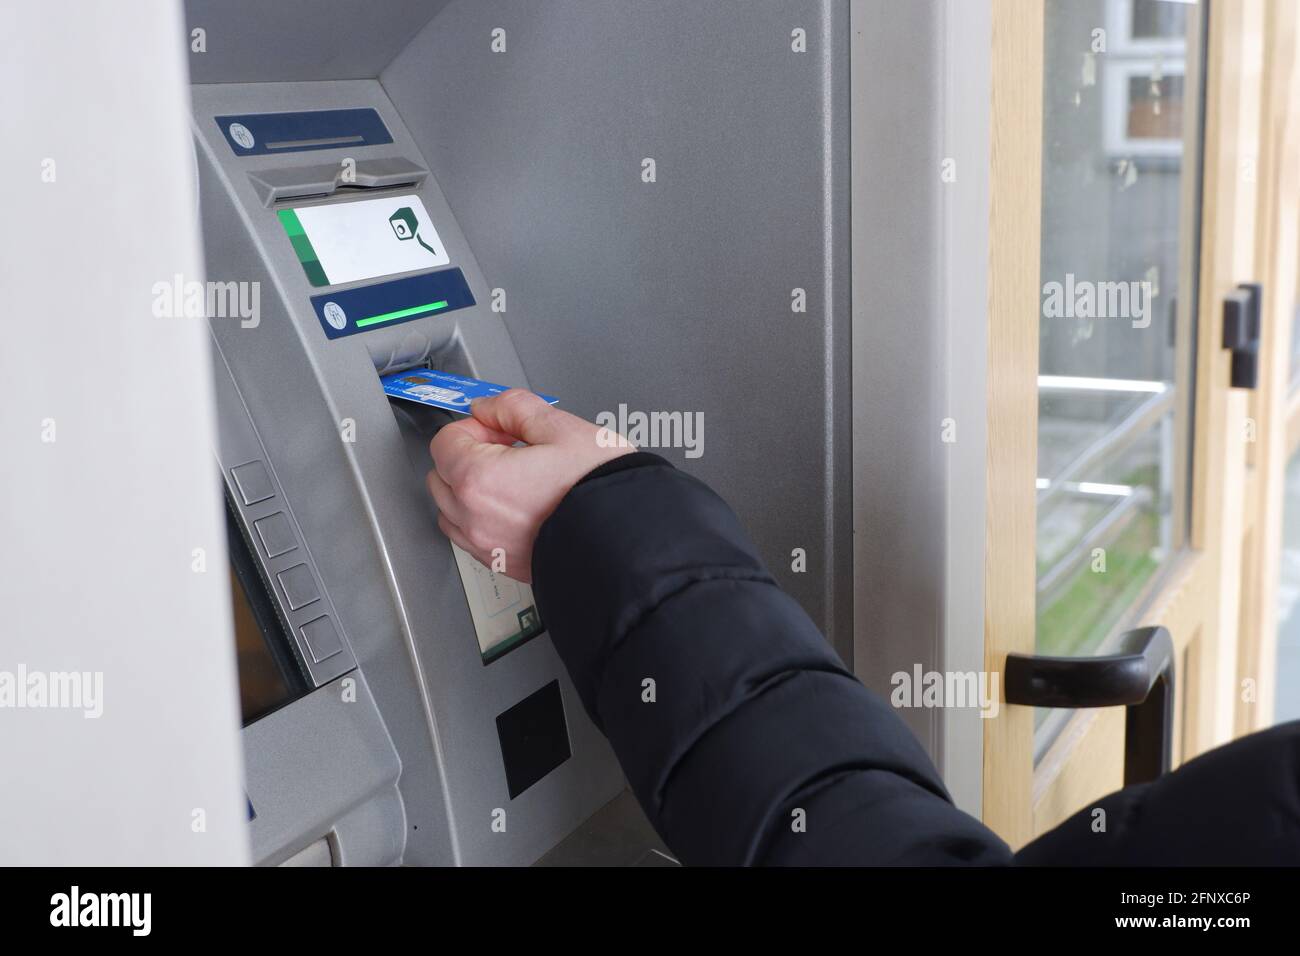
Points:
[(1242, 319), (1140, 676)]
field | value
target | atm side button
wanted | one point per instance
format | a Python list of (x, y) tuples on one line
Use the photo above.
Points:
[(253, 481), (322, 639), (276, 534), (299, 586)]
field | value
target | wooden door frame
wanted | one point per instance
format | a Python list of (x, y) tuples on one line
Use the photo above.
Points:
[(1015, 224), (1268, 444), (1199, 600)]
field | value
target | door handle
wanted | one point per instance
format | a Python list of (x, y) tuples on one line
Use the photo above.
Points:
[(1139, 676)]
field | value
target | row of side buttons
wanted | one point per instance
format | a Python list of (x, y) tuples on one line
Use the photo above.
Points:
[(276, 536), (253, 482), (322, 639)]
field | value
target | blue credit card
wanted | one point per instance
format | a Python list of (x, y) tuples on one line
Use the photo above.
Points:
[(442, 390)]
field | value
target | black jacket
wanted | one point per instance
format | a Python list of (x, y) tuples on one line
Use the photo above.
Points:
[(747, 741)]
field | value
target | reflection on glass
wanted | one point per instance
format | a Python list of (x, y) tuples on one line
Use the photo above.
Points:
[(1151, 20), (1295, 350), (1287, 706), (1295, 344), (1116, 320), (1155, 107)]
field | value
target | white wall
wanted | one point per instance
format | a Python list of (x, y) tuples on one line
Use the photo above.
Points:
[(98, 526), (920, 101)]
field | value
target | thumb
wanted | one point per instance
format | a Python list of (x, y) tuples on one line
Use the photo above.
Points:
[(518, 413)]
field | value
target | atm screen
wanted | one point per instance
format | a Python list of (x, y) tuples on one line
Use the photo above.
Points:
[(352, 241), (268, 676)]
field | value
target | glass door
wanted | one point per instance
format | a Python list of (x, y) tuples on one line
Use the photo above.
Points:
[(1120, 157), (1113, 425)]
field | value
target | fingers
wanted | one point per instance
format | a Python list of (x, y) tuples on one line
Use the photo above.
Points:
[(455, 445), (519, 413), (451, 515), (483, 433), (443, 497), (458, 538)]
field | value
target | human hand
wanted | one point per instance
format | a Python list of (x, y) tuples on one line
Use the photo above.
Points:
[(492, 496)]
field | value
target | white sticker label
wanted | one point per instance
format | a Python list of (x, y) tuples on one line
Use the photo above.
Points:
[(372, 238), (503, 610)]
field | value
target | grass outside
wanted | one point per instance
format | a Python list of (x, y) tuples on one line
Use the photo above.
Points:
[(1077, 621)]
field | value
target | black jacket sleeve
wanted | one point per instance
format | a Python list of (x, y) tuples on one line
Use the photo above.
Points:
[(741, 733), (1235, 805)]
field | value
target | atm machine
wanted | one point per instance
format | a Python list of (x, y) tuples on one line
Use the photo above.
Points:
[(402, 700), (640, 205)]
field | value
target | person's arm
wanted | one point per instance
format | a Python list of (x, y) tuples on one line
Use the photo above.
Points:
[(740, 731)]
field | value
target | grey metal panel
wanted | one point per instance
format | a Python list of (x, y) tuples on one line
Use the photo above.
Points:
[(371, 834), (237, 441), (364, 511), (897, 345), (265, 41), (920, 264), (316, 855), (311, 764), (967, 55), (674, 295), (619, 834)]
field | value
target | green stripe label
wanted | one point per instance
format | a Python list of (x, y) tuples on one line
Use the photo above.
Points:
[(402, 313), (303, 248)]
